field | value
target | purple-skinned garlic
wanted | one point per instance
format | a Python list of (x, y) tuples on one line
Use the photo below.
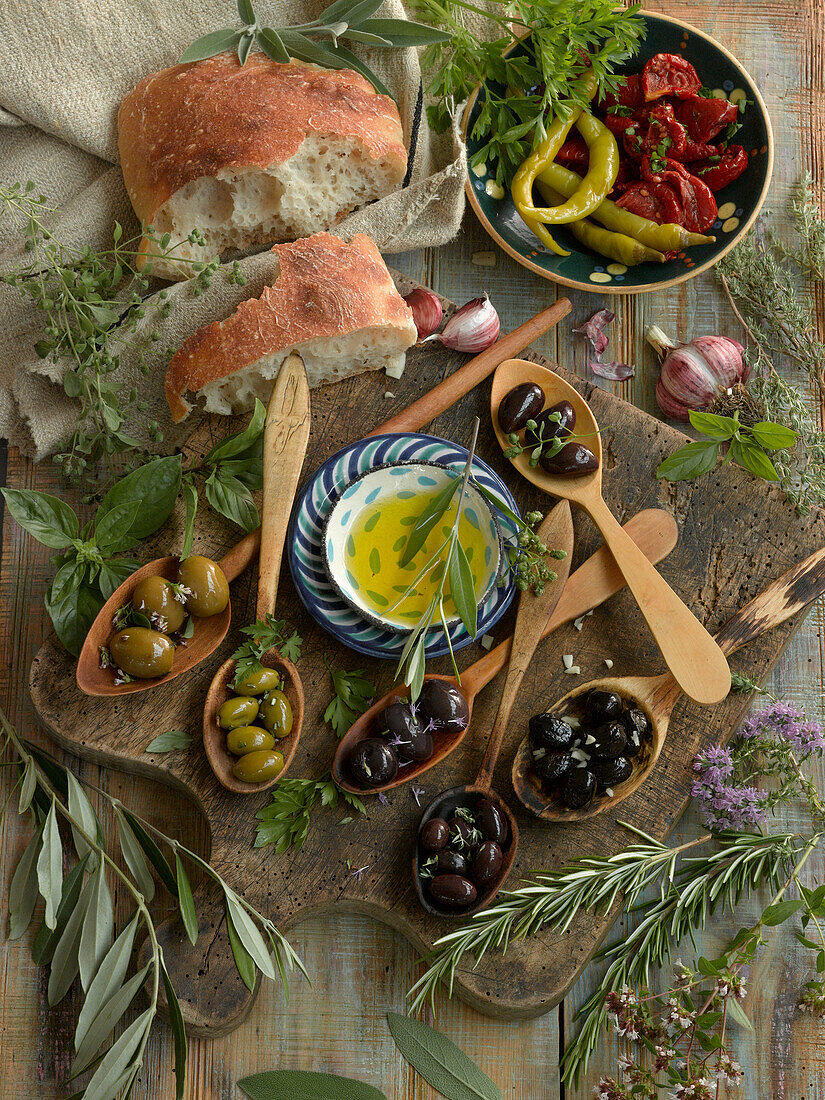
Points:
[(693, 374)]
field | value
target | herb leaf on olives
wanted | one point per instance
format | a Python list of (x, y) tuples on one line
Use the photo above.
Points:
[(263, 636)]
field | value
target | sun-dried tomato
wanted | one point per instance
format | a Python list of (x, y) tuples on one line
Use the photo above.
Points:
[(705, 118), (697, 150), (628, 94), (574, 152), (668, 74), (655, 201), (722, 168), (664, 133), (695, 197)]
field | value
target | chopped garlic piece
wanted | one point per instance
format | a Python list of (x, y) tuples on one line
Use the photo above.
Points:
[(567, 660), (388, 395), (574, 670), (590, 739), (483, 259), (487, 641), (609, 792), (578, 623), (608, 662), (579, 754), (573, 722), (396, 370)]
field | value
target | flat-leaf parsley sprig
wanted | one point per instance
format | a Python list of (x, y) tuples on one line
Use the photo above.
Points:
[(354, 695), (285, 821), (261, 636)]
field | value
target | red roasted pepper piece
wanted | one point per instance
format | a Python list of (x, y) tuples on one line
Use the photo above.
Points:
[(656, 201), (665, 132), (668, 74), (718, 174), (697, 150), (705, 118), (696, 197), (574, 152)]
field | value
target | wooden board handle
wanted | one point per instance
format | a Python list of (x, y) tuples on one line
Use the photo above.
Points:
[(466, 378)]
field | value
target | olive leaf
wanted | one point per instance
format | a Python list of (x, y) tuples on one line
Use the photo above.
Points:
[(116, 1067), (28, 786), (150, 850), (243, 960), (47, 518), (50, 867), (186, 903), (178, 1031), (98, 927), (65, 960), (81, 810), (297, 1084), (462, 588), (23, 891), (106, 983), (134, 856), (169, 741), (108, 1015), (439, 1061), (248, 934), (428, 518), (47, 939)]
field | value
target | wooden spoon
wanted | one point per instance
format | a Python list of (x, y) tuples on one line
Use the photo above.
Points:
[(656, 695), (208, 635), (695, 660), (533, 613), (286, 432), (595, 581)]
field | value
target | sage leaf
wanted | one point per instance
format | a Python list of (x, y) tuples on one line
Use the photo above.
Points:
[(152, 852), (47, 939), (270, 42), (297, 1084), (345, 11), (428, 519), (190, 498), (178, 1031), (27, 786), (249, 935), (366, 38), (779, 913), (96, 938), (236, 444), (351, 61), (186, 903), (462, 588), (81, 810), (107, 982), (113, 1071), (753, 459), (211, 44), (64, 960), (169, 741), (50, 867), (243, 960), (112, 529), (773, 437), (108, 1015), (47, 518), (439, 1061), (23, 891), (231, 498), (244, 46), (113, 573), (134, 857), (713, 426), (690, 461), (154, 487), (73, 616), (404, 32), (246, 11), (306, 50)]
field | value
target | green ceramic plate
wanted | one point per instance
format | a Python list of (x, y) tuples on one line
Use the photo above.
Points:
[(739, 202)]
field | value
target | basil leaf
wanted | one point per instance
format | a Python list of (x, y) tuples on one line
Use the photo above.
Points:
[(236, 444), (715, 427), (169, 741), (190, 497), (774, 437), (186, 903), (107, 982), (47, 518), (248, 469), (23, 890), (46, 939), (428, 519), (113, 573), (462, 588), (155, 487), (298, 1084), (753, 459), (271, 44), (211, 44), (96, 937), (67, 578), (112, 530), (439, 1061), (692, 460), (73, 616), (243, 960), (151, 851), (403, 32), (231, 498), (178, 1031)]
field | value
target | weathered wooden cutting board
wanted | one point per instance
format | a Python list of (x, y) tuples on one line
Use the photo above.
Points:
[(736, 536)]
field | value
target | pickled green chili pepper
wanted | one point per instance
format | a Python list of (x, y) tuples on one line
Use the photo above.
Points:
[(601, 175), (615, 246)]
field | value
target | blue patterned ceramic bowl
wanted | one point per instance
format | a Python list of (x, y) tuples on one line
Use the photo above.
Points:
[(415, 482), (306, 530)]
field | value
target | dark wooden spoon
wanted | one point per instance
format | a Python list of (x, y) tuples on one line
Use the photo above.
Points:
[(286, 432), (533, 614), (654, 531)]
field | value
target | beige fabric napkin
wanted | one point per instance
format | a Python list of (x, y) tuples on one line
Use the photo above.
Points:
[(66, 65)]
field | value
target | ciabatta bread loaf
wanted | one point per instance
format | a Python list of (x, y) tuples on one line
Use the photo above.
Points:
[(334, 304), (254, 153)]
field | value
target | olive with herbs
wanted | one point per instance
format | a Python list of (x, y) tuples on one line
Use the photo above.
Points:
[(552, 766), (491, 822), (207, 585), (434, 835), (487, 860), (258, 766), (573, 460), (462, 832), (550, 732), (399, 720), (522, 403), (603, 705), (609, 773), (275, 714), (142, 653), (451, 863), (637, 725), (443, 706), (373, 763), (155, 598), (610, 741), (419, 748), (237, 711), (558, 420), (453, 891), (578, 789), (244, 739), (258, 681)]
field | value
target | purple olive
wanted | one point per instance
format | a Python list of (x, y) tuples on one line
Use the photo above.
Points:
[(491, 822), (434, 835), (462, 833), (443, 707), (453, 891), (521, 404), (451, 863), (373, 763), (637, 725), (573, 460), (487, 862), (547, 427)]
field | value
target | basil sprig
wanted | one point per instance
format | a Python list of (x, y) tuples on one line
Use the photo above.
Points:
[(318, 42), (747, 447)]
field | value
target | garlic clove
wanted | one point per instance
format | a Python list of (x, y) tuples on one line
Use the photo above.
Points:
[(472, 328), (426, 310)]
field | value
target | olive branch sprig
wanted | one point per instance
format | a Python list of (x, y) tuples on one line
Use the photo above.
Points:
[(77, 934)]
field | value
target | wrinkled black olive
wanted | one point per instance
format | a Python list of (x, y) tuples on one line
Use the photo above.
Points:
[(491, 822), (573, 460), (610, 742), (487, 861), (373, 762), (462, 833), (578, 789), (453, 891), (602, 706), (609, 773), (551, 733), (434, 835), (451, 863), (547, 428), (552, 766), (637, 725), (521, 404), (443, 706)]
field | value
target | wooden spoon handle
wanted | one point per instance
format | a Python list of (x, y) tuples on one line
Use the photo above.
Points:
[(780, 601), (286, 432), (697, 663), (533, 612), (653, 530), (241, 555), (466, 378)]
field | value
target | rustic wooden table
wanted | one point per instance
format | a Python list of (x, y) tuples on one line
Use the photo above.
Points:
[(363, 969)]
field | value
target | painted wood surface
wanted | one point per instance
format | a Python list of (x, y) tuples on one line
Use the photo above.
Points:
[(339, 1024)]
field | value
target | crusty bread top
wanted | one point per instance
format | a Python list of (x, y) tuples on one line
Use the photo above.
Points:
[(325, 288), (193, 120)]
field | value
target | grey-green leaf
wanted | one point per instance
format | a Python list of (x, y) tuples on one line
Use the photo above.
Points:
[(135, 859), (244, 46), (270, 42), (28, 786), (169, 741), (98, 928), (211, 44), (351, 61), (47, 518), (47, 939), (403, 32), (50, 867), (246, 11), (107, 982), (112, 1072), (152, 852), (297, 1084), (23, 890), (178, 1032), (737, 1014), (462, 588), (186, 902), (108, 1015), (249, 935), (428, 518), (64, 960), (439, 1061), (81, 810), (243, 960)]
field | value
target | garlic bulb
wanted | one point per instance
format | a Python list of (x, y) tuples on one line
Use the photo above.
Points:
[(473, 328), (426, 310), (694, 374)]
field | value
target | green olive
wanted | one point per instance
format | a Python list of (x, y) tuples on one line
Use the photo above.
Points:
[(141, 652), (153, 596), (237, 712), (246, 739), (256, 683), (258, 766), (206, 581), (276, 714)]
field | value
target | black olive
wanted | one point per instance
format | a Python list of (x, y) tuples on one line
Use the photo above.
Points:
[(373, 763), (573, 460), (462, 833), (637, 725), (521, 404), (552, 766), (399, 721), (443, 707), (609, 773), (420, 748), (451, 863), (491, 822), (551, 733), (487, 862), (453, 891), (578, 789), (434, 835), (610, 742), (602, 706), (547, 428)]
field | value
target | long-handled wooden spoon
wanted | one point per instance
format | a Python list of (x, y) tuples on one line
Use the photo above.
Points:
[(533, 614), (656, 695), (695, 660), (595, 581), (286, 432)]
